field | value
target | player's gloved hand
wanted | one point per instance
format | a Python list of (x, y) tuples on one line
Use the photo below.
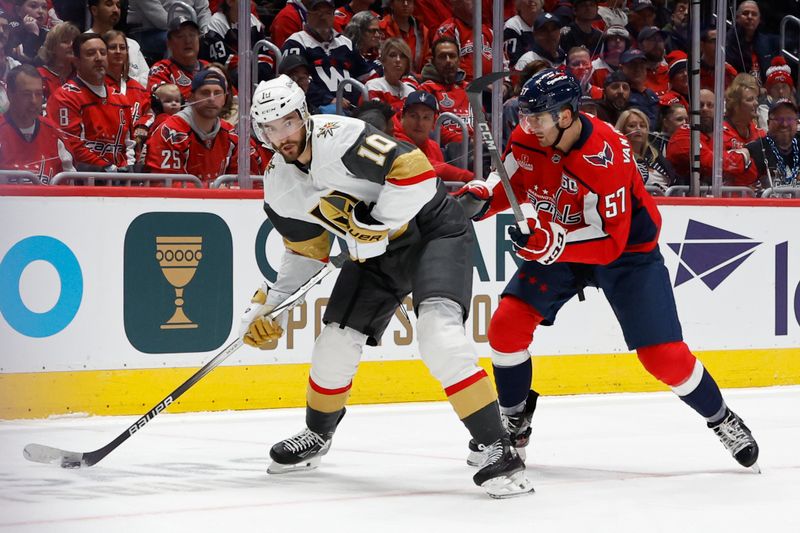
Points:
[(544, 244), (255, 328), (366, 237), (474, 198)]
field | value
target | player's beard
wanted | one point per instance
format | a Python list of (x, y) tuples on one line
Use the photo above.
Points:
[(300, 147)]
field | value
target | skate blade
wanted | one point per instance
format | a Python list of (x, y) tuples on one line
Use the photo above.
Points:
[(512, 486), (755, 468), (277, 468)]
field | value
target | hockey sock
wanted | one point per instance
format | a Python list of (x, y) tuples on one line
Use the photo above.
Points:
[(485, 425), (706, 399), (513, 384)]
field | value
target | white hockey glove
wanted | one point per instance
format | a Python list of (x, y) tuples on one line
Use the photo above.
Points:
[(366, 237), (255, 329), (544, 244)]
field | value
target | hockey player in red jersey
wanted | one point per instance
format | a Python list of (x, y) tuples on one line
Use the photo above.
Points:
[(595, 225), (95, 123), (195, 140), (338, 176)]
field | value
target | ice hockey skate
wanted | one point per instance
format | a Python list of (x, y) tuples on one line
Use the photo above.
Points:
[(303, 451), (519, 429), (503, 472), (738, 440)]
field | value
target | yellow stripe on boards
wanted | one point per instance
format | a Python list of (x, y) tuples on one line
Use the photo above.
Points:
[(133, 392)]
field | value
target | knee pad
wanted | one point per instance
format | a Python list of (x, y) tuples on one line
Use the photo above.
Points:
[(511, 331), (443, 343), (671, 363), (335, 357)]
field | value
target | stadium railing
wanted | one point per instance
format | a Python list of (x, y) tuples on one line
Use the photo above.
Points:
[(267, 46), (783, 191), (705, 190), (69, 178), (340, 91), (437, 135), (788, 53), (225, 179), (14, 176)]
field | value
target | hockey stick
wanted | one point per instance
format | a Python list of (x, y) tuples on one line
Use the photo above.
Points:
[(39, 453), (475, 95)]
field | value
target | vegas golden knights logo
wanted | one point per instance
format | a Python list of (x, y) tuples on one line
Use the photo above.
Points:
[(334, 211)]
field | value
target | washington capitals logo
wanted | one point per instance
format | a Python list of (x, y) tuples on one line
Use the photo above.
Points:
[(71, 87), (601, 159), (327, 129), (710, 254), (173, 136)]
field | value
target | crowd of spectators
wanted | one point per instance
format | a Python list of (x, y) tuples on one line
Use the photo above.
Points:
[(142, 85)]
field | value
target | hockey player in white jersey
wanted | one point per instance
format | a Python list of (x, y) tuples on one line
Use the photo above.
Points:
[(332, 175)]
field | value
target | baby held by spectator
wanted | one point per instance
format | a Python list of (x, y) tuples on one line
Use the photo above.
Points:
[(166, 100)]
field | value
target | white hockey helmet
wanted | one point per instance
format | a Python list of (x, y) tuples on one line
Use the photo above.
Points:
[(274, 99)]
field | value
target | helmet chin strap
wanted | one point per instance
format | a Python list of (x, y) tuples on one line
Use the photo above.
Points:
[(562, 130)]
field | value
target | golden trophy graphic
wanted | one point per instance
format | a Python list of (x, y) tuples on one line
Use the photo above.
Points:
[(178, 258)]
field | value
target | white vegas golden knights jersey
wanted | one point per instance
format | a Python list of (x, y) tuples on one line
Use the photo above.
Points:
[(351, 161)]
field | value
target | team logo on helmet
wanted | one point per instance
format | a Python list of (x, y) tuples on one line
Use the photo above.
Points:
[(603, 158), (327, 129)]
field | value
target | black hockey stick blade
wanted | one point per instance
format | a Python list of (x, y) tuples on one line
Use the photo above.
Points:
[(475, 95), (39, 453)]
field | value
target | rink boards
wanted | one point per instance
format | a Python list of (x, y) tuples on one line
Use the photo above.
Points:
[(108, 302)]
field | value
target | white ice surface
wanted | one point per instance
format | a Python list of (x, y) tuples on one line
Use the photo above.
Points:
[(617, 463)]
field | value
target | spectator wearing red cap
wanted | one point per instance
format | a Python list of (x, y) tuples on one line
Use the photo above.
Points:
[(678, 92), (183, 40), (400, 22), (415, 126), (27, 140), (195, 140), (780, 85), (651, 41), (615, 41), (95, 122), (395, 85)]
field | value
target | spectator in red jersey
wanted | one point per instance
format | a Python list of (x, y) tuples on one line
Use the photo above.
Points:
[(518, 30), (432, 13), (780, 85), (195, 140), (616, 94), (415, 127), (581, 32), (118, 79), (615, 41), (678, 81), (400, 22), (165, 101), (28, 141), (290, 19), (105, 17), (679, 150), (95, 123), (579, 64), (56, 57), (708, 47), (343, 15), (741, 111), (183, 40), (459, 28), (546, 43), (445, 81), (651, 42), (395, 85)]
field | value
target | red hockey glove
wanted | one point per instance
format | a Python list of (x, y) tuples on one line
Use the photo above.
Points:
[(474, 198), (544, 243)]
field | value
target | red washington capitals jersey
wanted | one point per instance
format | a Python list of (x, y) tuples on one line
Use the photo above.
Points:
[(97, 130), (594, 191), (44, 154), (174, 148), (168, 71)]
